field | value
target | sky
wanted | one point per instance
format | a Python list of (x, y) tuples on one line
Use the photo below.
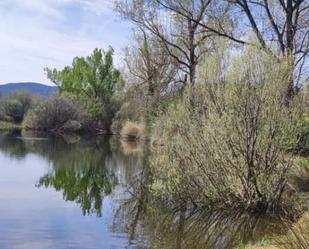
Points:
[(35, 34)]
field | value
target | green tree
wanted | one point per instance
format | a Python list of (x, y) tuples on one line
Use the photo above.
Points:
[(93, 76)]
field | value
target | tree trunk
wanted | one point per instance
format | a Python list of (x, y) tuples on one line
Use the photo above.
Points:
[(192, 62), (290, 47)]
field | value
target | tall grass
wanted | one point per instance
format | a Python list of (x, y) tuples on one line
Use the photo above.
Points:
[(297, 237)]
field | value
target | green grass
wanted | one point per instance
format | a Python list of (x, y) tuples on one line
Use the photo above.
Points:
[(9, 126), (302, 163)]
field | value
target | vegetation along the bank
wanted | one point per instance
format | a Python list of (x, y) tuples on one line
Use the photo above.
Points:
[(221, 89)]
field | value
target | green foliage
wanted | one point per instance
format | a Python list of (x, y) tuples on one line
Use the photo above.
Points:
[(14, 107), (225, 142), (9, 126), (84, 181), (102, 114), (71, 113), (302, 145), (54, 114), (302, 163), (92, 76), (136, 105)]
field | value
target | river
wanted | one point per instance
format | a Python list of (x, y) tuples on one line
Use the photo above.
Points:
[(86, 194)]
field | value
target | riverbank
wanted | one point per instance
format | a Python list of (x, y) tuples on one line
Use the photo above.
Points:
[(9, 126)]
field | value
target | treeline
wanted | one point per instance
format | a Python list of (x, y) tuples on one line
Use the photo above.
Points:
[(86, 103)]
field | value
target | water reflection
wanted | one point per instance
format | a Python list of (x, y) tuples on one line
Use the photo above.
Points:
[(112, 182), (84, 180), (14, 147), (85, 171), (172, 224), (208, 229)]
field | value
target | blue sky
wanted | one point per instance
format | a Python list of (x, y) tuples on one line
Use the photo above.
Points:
[(48, 33)]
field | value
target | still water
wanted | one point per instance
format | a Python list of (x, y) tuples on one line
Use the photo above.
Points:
[(59, 195), (85, 193)]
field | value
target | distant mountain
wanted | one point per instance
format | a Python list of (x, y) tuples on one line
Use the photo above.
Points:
[(30, 87)]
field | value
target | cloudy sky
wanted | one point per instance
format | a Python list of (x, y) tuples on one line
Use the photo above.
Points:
[(48, 33)]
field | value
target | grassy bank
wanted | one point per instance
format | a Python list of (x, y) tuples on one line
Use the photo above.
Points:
[(297, 237)]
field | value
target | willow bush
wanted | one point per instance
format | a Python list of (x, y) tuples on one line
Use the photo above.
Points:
[(56, 114), (14, 107), (225, 142)]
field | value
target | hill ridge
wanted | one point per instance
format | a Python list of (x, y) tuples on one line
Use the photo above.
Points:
[(30, 87)]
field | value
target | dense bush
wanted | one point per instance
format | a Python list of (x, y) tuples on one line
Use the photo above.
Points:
[(302, 145), (88, 89), (136, 107), (226, 141), (132, 108), (12, 110), (69, 113), (102, 114), (14, 107), (56, 114)]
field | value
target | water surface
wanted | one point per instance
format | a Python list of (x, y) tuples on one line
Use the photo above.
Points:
[(59, 195), (90, 193)]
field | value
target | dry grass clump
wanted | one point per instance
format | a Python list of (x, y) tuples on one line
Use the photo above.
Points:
[(297, 237), (132, 131), (262, 247), (131, 148)]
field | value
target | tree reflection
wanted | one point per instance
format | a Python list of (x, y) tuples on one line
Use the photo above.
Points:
[(84, 180), (84, 171), (172, 224), (83, 175), (166, 228), (11, 146)]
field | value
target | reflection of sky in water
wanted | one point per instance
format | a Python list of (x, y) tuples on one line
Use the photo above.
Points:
[(36, 218)]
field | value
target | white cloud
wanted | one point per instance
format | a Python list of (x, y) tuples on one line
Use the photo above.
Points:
[(40, 7), (97, 6), (39, 33)]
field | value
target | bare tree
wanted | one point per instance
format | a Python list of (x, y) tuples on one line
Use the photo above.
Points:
[(148, 63), (282, 25), (176, 24)]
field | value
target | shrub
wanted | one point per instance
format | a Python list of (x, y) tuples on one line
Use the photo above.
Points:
[(70, 113), (132, 108), (54, 114), (302, 145), (12, 110), (136, 107), (226, 141), (14, 107), (102, 115)]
